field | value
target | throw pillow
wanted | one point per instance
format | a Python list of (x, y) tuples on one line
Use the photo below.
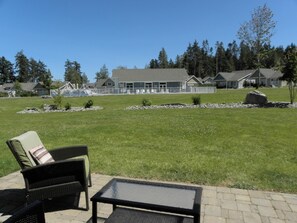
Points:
[(41, 155)]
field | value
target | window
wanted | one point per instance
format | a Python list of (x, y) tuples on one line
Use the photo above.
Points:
[(129, 86), (163, 85), (148, 85)]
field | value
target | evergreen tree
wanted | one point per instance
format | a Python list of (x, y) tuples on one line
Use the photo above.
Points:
[(154, 64), (208, 65), (246, 58), (34, 70), (163, 59), (85, 79), (102, 74), (73, 73), (192, 59), (221, 62), (6, 71), (278, 56), (46, 78), (22, 67), (179, 61), (171, 64)]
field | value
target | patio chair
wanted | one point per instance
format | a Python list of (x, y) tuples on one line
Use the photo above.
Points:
[(53, 173), (32, 213)]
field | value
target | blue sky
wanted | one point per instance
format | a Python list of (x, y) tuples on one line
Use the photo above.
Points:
[(126, 32)]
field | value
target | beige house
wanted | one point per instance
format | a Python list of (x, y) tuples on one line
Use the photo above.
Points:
[(194, 81)]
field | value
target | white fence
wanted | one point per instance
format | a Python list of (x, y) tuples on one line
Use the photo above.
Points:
[(107, 91)]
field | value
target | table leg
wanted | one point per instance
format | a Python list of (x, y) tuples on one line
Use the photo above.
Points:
[(196, 219), (113, 207), (94, 212)]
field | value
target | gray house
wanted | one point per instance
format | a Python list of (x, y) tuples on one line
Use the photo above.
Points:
[(268, 78), (150, 80), (233, 79), (104, 83), (36, 88)]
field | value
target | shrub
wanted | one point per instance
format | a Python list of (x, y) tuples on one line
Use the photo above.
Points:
[(58, 100), (27, 94), (196, 100), (146, 102), (88, 104), (3, 94), (67, 106)]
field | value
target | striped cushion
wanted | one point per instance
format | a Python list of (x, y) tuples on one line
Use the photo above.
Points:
[(41, 155)]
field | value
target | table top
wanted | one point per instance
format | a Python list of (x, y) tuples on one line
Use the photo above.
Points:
[(156, 196)]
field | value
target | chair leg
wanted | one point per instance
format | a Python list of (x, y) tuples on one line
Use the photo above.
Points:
[(90, 180), (87, 198)]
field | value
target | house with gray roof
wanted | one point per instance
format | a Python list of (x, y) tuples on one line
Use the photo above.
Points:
[(150, 80), (208, 80), (33, 87), (237, 79), (268, 78), (233, 79), (104, 83)]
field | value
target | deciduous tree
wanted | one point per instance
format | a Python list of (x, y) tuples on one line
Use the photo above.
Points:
[(258, 31), (290, 70)]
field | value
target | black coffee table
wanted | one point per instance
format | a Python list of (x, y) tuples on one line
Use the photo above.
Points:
[(175, 200)]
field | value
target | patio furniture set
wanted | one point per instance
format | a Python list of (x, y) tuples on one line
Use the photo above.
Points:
[(65, 171)]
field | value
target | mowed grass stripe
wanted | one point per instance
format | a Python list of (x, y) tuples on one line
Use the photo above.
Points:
[(243, 148)]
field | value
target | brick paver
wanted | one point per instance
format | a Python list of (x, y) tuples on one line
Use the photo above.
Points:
[(219, 204)]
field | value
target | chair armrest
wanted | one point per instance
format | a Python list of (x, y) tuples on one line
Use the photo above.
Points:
[(55, 173), (68, 152), (32, 213)]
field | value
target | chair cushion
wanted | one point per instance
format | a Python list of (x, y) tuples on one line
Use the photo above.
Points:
[(3, 218), (24, 159), (41, 155), (22, 144)]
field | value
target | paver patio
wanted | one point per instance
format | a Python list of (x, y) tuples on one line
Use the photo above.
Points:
[(219, 204)]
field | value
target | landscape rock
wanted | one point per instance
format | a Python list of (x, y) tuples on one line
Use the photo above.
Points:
[(48, 109), (215, 106), (256, 97)]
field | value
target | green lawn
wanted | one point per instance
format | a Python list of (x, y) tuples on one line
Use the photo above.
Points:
[(243, 148)]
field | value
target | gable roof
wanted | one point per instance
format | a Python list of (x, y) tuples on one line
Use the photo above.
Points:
[(30, 86), (207, 79), (267, 73), (102, 82), (150, 75), (233, 76), (195, 79)]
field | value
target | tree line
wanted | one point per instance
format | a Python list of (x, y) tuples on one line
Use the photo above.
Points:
[(253, 51), (24, 70), (30, 70), (202, 60)]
